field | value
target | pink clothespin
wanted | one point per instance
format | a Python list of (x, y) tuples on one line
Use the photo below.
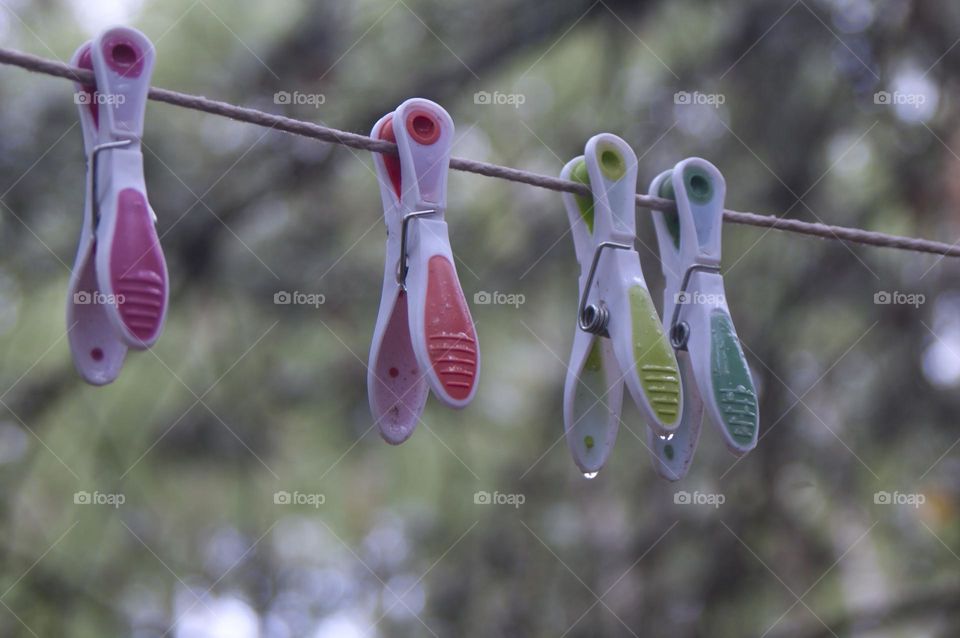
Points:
[(118, 289), (424, 338)]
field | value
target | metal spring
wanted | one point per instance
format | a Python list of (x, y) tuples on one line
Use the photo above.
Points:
[(595, 318)]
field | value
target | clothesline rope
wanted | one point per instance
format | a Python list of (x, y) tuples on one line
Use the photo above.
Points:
[(308, 129)]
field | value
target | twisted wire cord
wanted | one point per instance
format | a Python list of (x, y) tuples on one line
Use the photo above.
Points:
[(345, 138)]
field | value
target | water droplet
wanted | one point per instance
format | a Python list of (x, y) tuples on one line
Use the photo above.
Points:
[(590, 475)]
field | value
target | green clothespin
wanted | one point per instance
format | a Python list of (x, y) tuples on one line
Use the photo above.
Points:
[(619, 339)]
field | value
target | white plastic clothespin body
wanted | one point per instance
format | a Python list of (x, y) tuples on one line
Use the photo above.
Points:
[(424, 338), (619, 339), (715, 373), (118, 289)]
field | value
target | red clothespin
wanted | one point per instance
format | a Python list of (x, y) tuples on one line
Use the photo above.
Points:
[(424, 337)]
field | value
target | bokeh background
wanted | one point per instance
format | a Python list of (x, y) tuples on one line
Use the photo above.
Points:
[(243, 398)]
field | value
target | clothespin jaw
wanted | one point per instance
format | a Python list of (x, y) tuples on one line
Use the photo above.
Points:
[(97, 352), (437, 347), (695, 302), (118, 290), (131, 268), (396, 386), (593, 389)]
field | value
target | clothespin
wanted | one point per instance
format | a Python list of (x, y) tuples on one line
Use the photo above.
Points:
[(716, 377), (424, 338), (619, 340), (118, 290)]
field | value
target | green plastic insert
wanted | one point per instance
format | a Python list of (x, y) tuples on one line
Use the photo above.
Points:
[(656, 362), (585, 204), (590, 416), (732, 384), (698, 184), (611, 163), (671, 217), (594, 361)]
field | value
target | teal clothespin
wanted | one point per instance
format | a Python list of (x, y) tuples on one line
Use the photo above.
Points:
[(716, 377)]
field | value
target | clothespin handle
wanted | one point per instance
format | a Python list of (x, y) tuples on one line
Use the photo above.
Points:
[(700, 318), (593, 389)]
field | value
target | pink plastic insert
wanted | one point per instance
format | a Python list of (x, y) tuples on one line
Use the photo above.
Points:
[(138, 273), (400, 389), (451, 339)]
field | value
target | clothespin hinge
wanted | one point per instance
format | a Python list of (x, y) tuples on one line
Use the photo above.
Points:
[(593, 318), (402, 267), (680, 330), (94, 155)]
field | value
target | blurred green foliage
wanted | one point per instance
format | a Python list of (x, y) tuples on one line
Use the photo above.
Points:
[(242, 398)]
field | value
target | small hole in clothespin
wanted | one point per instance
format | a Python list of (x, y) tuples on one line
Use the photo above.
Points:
[(423, 127), (124, 55), (611, 161), (699, 185)]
